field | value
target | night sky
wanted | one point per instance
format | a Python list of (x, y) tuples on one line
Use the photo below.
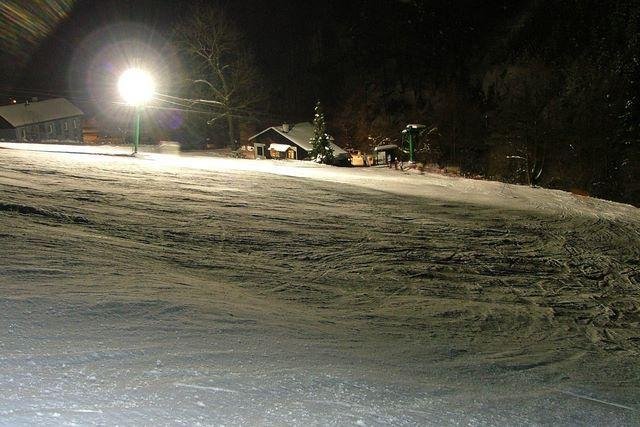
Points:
[(298, 46), (56, 62), (304, 50), (59, 62)]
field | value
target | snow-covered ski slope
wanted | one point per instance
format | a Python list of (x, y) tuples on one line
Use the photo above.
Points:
[(173, 290)]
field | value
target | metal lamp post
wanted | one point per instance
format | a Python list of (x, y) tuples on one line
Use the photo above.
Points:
[(136, 130), (136, 88), (411, 132)]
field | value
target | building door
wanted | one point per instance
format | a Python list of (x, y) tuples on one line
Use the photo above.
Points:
[(259, 151)]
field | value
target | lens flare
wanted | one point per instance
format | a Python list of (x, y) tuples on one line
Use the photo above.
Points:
[(25, 23)]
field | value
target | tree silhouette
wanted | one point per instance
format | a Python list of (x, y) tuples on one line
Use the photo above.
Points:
[(220, 68)]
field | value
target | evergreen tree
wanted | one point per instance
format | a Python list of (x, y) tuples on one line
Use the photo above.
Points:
[(321, 151)]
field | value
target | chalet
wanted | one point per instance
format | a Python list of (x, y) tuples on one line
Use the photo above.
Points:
[(287, 142), (41, 121)]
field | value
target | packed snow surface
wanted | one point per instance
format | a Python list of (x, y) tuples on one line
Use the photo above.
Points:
[(195, 290)]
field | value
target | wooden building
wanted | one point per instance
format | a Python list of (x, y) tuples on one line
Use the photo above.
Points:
[(53, 120), (386, 154), (287, 142)]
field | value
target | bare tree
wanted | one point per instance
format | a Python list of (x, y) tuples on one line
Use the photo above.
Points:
[(220, 68)]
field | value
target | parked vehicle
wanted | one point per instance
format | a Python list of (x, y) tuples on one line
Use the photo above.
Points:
[(357, 158)]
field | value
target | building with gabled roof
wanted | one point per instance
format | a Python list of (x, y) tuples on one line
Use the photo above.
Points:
[(287, 141), (41, 121)]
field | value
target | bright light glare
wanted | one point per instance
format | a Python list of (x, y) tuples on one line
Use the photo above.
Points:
[(136, 86)]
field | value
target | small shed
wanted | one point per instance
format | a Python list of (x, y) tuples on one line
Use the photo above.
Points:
[(384, 151), (41, 121), (287, 142)]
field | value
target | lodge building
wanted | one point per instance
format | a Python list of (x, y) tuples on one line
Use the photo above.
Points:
[(53, 120), (287, 142)]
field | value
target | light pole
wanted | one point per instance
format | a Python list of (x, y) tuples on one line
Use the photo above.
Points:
[(412, 131), (136, 87)]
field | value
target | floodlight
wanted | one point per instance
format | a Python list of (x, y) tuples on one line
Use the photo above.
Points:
[(136, 86)]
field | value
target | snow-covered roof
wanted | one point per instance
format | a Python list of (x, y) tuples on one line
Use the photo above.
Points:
[(279, 147), (37, 112), (300, 134), (385, 147)]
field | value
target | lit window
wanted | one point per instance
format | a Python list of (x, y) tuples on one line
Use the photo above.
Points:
[(75, 124)]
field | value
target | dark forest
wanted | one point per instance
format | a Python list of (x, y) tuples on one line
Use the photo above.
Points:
[(539, 92)]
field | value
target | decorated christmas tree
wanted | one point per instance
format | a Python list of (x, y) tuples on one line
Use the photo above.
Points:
[(322, 151)]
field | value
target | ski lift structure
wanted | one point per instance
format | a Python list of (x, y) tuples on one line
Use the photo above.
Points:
[(410, 135)]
